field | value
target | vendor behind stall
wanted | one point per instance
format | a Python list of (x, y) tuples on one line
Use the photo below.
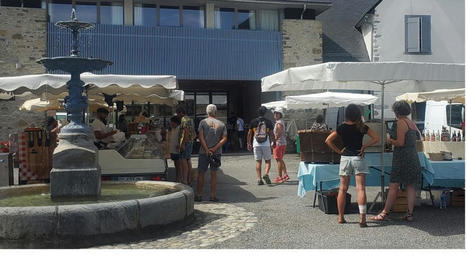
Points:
[(102, 133)]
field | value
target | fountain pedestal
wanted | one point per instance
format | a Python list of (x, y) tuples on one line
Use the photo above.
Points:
[(75, 169)]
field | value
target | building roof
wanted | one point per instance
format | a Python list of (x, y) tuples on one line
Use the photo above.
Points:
[(341, 40)]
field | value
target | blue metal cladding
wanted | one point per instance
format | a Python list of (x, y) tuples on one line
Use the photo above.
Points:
[(203, 54)]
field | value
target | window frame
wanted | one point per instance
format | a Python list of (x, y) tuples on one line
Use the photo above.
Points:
[(98, 9), (257, 26), (424, 35)]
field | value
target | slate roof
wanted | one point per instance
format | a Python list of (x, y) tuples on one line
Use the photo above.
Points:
[(341, 40)]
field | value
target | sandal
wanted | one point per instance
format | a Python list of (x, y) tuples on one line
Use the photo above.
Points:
[(213, 199), (409, 217), (363, 224), (383, 216), (342, 221)]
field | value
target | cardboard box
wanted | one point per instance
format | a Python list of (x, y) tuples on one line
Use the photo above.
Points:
[(458, 198), (314, 149)]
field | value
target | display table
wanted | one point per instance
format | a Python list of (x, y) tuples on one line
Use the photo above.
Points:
[(456, 148), (448, 174), (311, 175)]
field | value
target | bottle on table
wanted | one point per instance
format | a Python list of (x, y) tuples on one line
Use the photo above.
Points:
[(438, 136), (423, 135), (453, 138), (427, 135), (459, 138), (433, 136)]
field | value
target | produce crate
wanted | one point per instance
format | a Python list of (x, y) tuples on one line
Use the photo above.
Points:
[(400, 206), (458, 198), (327, 201)]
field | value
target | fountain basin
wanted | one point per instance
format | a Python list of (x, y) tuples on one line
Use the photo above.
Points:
[(132, 212)]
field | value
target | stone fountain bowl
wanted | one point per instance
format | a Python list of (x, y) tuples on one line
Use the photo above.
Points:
[(94, 219)]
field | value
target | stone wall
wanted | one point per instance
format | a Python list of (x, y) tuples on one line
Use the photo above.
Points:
[(23, 35), (302, 42)]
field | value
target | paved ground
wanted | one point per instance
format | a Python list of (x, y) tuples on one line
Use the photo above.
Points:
[(251, 216)]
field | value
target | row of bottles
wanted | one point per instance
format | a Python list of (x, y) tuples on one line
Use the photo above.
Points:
[(443, 136)]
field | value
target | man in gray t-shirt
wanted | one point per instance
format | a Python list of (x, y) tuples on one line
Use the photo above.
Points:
[(212, 135)]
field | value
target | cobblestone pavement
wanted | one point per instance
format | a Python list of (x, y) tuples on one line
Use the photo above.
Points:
[(213, 223)]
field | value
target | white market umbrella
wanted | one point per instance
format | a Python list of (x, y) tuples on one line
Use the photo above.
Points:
[(38, 105), (105, 83), (373, 76), (275, 105), (452, 95), (328, 99)]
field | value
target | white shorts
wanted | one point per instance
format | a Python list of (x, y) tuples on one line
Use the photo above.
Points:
[(352, 165), (262, 152)]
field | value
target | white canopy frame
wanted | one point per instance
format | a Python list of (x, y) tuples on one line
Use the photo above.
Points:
[(375, 76)]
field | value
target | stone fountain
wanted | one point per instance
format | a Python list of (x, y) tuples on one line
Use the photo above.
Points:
[(78, 206), (75, 169)]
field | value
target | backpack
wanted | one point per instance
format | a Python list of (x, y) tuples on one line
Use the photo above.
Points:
[(261, 134)]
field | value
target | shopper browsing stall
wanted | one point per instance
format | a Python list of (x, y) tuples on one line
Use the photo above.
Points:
[(174, 145), (352, 158)]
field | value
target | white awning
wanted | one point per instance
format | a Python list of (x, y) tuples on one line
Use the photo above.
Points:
[(397, 76), (328, 99), (452, 95)]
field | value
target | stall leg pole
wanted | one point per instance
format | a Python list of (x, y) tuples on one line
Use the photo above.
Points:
[(450, 117), (383, 139)]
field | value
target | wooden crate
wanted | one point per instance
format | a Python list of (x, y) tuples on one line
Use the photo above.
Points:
[(35, 152), (458, 198), (400, 206), (314, 149)]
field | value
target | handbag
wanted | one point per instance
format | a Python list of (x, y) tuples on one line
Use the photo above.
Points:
[(215, 160)]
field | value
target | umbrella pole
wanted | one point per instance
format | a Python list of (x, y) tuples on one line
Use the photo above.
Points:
[(450, 117), (383, 139)]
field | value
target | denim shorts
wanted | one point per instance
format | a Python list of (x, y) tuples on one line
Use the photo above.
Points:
[(186, 154), (353, 165), (203, 163)]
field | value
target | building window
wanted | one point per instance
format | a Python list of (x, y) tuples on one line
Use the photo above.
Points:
[(268, 20), (169, 16), (246, 19), (193, 16), (111, 13), (417, 34), (145, 14), (59, 10), (231, 18), (24, 3), (85, 11), (225, 18)]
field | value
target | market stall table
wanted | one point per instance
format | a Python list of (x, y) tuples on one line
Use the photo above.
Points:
[(447, 174), (311, 175)]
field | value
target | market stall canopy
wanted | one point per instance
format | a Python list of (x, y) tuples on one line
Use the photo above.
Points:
[(105, 83), (275, 105), (140, 89), (328, 99), (397, 76), (39, 105), (450, 95)]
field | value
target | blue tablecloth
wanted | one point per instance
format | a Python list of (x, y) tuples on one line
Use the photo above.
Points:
[(448, 174), (310, 175)]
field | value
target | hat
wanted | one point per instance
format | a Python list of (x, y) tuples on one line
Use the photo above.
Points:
[(279, 110)]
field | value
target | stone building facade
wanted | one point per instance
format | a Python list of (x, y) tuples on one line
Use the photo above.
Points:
[(23, 36), (302, 42)]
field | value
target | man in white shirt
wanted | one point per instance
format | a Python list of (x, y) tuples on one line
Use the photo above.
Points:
[(102, 133)]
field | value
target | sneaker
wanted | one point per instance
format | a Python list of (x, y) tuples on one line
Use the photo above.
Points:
[(285, 178), (266, 179), (278, 180), (260, 182)]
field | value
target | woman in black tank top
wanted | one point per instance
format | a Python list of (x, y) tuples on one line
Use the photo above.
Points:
[(353, 161)]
